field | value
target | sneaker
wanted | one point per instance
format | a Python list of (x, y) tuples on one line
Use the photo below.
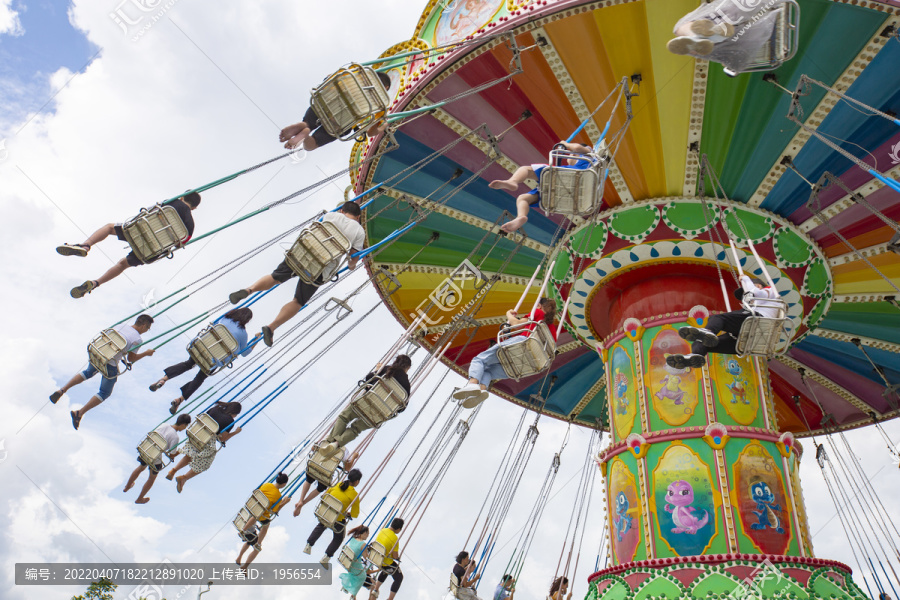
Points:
[(324, 561), (329, 449), (307, 549), (85, 288), (684, 361), (237, 296), (710, 29), (72, 250), (470, 389), (473, 401), (268, 335), (55, 396), (704, 336), (690, 46)]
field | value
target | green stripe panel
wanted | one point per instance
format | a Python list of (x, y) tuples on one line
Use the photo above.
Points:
[(878, 320), (822, 22), (745, 129)]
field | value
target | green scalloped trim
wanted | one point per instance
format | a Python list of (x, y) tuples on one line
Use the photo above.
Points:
[(759, 227), (816, 282), (791, 250), (688, 218), (562, 270), (588, 242), (635, 224)]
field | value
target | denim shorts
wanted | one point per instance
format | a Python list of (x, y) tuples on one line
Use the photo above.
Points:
[(107, 382)]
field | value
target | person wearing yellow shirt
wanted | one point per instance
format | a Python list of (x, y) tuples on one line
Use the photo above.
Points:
[(346, 493), (387, 537), (272, 491)]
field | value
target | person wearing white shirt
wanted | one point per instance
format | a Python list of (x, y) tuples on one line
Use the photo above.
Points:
[(170, 434), (720, 335), (132, 335), (347, 222)]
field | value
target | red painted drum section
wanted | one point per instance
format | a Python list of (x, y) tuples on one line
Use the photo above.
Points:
[(656, 290)]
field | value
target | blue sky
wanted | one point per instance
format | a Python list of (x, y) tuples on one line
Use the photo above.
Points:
[(49, 43)]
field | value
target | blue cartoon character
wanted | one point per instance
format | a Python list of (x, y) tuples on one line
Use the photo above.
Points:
[(623, 522), (766, 509), (738, 385), (679, 498), (621, 387)]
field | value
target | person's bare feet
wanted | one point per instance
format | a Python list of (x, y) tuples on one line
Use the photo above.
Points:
[(128, 486), (295, 141), (503, 184), (290, 131), (297, 508), (142, 501), (514, 225)]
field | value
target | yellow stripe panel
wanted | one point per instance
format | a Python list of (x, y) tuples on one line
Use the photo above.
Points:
[(858, 278), (623, 29), (674, 79), (578, 44)]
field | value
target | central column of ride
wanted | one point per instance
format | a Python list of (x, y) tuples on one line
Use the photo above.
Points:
[(702, 488)]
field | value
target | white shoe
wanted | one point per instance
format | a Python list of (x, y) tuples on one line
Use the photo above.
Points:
[(324, 561), (704, 336), (684, 361), (466, 391), (475, 400), (716, 32), (307, 549), (694, 46), (329, 449)]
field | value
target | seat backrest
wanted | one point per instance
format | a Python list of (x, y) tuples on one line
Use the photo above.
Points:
[(379, 401), (347, 557), (570, 191), (104, 348), (349, 100), (454, 583), (526, 355), (152, 447), (212, 348), (323, 469), (329, 510), (376, 554), (202, 430), (317, 247), (154, 232), (763, 336), (241, 519), (257, 504)]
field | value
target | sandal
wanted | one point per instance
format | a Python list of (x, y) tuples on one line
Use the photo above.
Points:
[(55, 396), (85, 288), (174, 407), (76, 419), (158, 384)]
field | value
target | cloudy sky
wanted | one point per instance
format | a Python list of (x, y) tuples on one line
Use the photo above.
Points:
[(107, 109)]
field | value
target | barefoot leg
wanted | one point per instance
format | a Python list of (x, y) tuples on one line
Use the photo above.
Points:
[(522, 207), (512, 184)]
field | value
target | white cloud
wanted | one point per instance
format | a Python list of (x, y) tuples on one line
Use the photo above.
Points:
[(9, 19), (194, 98)]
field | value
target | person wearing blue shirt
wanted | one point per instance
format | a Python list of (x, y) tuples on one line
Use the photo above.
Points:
[(235, 321), (506, 590)]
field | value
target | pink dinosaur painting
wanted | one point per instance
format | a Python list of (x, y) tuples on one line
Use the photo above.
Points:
[(679, 497)]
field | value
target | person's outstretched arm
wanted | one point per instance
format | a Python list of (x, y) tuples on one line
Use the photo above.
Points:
[(133, 357), (576, 147), (224, 437)]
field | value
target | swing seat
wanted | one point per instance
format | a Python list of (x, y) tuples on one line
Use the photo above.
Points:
[(376, 555), (378, 401), (213, 348), (257, 504), (454, 585), (104, 348), (764, 336), (347, 557), (783, 43), (350, 100), (527, 354), (202, 430), (152, 448), (322, 469), (156, 232), (318, 246), (571, 191), (329, 513), (241, 519)]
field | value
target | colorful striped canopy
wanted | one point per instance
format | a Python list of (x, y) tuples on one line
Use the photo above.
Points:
[(572, 54)]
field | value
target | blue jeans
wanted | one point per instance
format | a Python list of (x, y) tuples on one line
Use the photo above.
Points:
[(486, 366), (107, 382)]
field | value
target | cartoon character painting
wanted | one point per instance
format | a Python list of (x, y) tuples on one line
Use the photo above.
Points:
[(671, 383), (738, 385), (766, 508), (623, 522), (621, 387), (463, 17), (679, 498)]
